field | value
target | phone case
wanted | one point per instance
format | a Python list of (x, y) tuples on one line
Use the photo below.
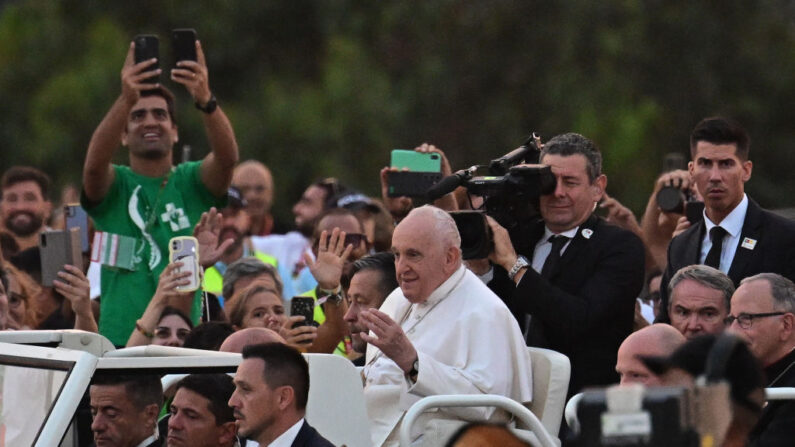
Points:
[(303, 305), (75, 217), (184, 44), (416, 161), (147, 46), (411, 184), (185, 249), (58, 248)]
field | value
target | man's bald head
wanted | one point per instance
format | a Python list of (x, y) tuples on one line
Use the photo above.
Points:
[(657, 340), (250, 336), (255, 181)]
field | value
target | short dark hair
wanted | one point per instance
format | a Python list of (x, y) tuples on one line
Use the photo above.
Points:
[(569, 144), (166, 94), (332, 187), (721, 130), (209, 335), (169, 310), (216, 388), (142, 390), (284, 366), (19, 174), (383, 263)]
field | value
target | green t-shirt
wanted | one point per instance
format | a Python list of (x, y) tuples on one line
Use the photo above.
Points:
[(151, 210)]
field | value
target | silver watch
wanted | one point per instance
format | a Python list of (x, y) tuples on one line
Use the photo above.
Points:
[(520, 263)]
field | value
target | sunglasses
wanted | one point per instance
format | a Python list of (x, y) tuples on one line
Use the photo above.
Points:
[(355, 239)]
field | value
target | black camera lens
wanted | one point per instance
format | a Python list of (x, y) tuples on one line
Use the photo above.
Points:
[(476, 238), (671, 199)]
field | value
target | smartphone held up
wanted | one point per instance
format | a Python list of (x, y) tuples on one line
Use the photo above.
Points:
[(185, 249)]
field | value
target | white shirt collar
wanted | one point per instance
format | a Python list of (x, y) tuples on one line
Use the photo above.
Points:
[(568, 233), (286, 439), (733, 222), (150, 439)]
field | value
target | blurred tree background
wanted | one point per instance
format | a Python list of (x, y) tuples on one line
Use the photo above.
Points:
[(319, 88)]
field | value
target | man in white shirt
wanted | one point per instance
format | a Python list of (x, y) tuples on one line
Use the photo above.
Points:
[(736, 236), (271, 392), (441, 332)]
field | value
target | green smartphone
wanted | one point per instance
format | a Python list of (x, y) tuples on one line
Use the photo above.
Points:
[(416, 161)]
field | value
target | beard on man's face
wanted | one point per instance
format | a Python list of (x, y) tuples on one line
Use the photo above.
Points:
[(230, 232), (23, 223)]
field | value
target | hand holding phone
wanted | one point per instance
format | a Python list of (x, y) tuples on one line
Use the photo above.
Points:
[(413, 172), (303, 306), (147, 46), (185, 250)]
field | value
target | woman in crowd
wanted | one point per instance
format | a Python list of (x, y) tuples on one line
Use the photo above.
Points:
[(261, 306), (22, 292)]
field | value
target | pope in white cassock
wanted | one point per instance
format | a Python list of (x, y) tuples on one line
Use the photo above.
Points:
[(441, 332)]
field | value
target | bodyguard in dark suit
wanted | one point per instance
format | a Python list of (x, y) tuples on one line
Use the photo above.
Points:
[(271, 392), (309, 437), (735, 236), (581, 276), (762, 314)]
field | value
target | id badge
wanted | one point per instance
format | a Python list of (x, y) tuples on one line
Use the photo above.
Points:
[(114, 250)]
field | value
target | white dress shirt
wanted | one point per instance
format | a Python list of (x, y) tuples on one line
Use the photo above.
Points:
[(467, 342), (287, 438), (543, 247), (733, 224)]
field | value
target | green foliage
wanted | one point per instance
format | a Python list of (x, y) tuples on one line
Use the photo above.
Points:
[(329, 88)]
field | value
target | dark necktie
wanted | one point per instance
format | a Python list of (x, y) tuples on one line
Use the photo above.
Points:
[(553, 258), (716, 234)]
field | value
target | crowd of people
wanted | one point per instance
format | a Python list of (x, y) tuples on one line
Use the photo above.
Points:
[(390, 288)]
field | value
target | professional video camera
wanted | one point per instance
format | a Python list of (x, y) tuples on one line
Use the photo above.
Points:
[(719, 395), (510, 192)]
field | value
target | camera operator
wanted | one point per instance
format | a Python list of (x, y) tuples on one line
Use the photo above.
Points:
[(581, 275)]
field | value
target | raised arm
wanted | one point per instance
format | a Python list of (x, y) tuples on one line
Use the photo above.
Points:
[(217, 166), (97, 170)]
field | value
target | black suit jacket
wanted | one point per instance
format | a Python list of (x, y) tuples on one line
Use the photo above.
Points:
[(776, 426), (774, 251), (586, 308), (309, 437)]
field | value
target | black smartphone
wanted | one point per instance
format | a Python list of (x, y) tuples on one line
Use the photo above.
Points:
[(147, 46), (183, 42), (305, 306), (694, 212), (411, 184)]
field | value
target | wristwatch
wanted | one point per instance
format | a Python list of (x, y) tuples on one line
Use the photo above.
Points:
[(210, 107), (521, 262), (415, 370), (332, 296)]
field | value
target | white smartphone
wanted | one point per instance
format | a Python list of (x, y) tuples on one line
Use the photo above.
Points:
[(186, 250)]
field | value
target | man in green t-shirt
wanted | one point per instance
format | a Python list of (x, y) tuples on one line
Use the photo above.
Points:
[(140, 207)]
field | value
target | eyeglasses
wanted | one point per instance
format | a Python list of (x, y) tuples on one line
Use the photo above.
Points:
[(746, 320)]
